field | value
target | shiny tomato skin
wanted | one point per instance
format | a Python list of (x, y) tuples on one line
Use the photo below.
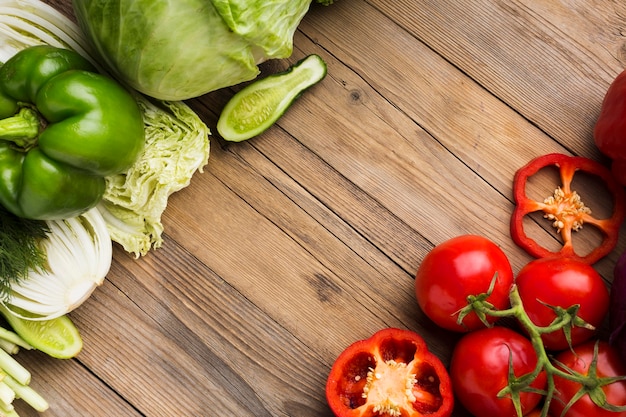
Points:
[(609, 364), (563, 282), (479, 369), (464, 265)]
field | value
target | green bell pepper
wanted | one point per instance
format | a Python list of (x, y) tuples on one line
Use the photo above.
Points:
[(63, 128)]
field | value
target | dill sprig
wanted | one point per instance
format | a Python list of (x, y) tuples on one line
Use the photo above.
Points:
[(20, 248)]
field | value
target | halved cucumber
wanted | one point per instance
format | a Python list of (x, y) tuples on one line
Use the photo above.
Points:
[(57, 337), (259, 105)]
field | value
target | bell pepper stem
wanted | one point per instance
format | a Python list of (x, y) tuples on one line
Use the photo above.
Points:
[(21, 129)]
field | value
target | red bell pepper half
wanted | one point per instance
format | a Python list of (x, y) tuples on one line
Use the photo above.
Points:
[(566, 209), (390, 374), (610, 130)]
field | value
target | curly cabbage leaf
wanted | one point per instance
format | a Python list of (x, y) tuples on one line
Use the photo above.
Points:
[(133, 202), (176, 50)]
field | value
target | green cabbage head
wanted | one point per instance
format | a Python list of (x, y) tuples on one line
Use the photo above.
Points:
[(180, 49)]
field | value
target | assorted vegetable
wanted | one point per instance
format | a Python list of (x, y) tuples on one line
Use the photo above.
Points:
[(391, 373), (122, 155), (140, 41), (260, 104), (63, 128), (610, 129), (565, 209), (176, 140)]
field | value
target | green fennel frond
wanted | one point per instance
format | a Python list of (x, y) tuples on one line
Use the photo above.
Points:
[(20, 249)]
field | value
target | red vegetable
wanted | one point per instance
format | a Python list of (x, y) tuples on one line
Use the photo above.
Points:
[(565, 209), (392, 373), (544, 284), (608, 364), (457, 268), (610, 129), (479, 370), (617, 309)]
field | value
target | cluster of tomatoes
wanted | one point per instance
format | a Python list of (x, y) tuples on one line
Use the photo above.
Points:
[(561, 300), (545, 362)]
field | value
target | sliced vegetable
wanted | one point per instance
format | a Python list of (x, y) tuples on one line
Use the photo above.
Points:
[(177, 141), (259, 105), (79, 253), (63, 127), (617, 307), (565, 209), (391, 373), (229, 39), (610, 130), (56, 337)]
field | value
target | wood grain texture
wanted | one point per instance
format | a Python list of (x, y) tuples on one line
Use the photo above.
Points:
[(294, 244)]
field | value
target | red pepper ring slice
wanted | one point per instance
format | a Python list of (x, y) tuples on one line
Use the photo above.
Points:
[(391, 373), (565, 208)]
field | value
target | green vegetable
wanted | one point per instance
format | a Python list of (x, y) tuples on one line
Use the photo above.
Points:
[(56, 337), (177, 141), (20, 250), (78, 257), (176, 50), (176, 147), (259, 105), (63, 128)]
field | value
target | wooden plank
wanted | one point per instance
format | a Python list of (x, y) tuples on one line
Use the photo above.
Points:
[(70, 388), (551, 61)]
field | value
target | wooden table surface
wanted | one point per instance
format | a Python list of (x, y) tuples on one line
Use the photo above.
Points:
[(293, 245)]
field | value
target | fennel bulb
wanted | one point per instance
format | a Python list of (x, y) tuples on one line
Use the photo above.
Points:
[(176, 50), (78, 257)]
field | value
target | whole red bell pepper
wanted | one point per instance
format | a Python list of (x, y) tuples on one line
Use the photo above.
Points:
[(610, 129), (390, 374), (565, 209)]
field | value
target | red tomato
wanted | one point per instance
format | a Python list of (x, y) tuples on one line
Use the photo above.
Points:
[(562, 282), (462, 266), (479, 370), (609, 365)]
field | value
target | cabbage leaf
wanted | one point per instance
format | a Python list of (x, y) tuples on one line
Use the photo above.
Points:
[(133, 202)]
